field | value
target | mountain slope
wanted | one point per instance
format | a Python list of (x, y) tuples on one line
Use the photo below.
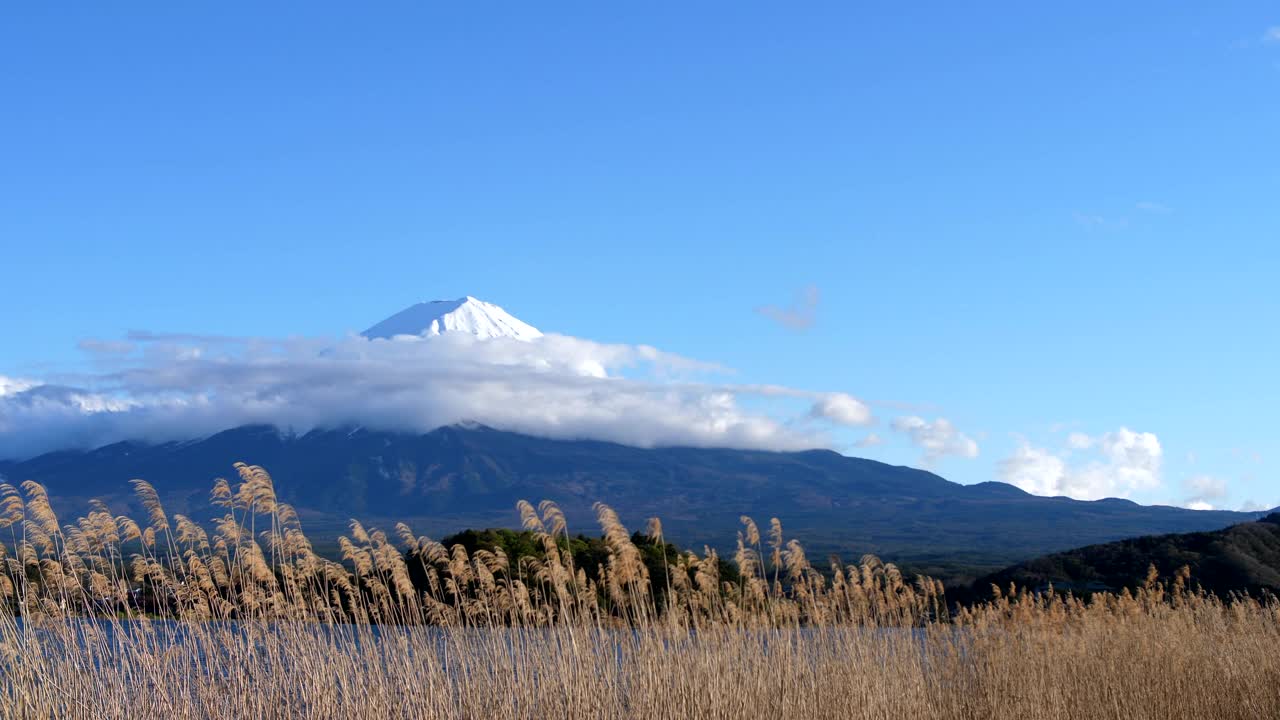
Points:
[(1241, 558), (455, 478), (464, 315)]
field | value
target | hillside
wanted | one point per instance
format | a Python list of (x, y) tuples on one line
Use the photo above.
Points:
[(1241, 558), (455, 478)]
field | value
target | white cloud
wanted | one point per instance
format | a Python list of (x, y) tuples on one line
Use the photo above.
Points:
[(1272, 35), (1036, 470), (176, 387), (1135, 457), (842, 409), (800, 314), (1199, 505), (1120, 463), (1255, 506), (13, 386), (937, 439)]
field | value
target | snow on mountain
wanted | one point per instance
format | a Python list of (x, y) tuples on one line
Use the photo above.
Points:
[(467, 315)]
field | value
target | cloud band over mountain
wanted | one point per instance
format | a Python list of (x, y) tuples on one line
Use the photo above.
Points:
[(174, 387)]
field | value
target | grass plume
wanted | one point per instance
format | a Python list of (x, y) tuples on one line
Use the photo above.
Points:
[(240, 618)]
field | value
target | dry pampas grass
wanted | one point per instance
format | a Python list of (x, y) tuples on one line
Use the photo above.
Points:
[(107, 617)]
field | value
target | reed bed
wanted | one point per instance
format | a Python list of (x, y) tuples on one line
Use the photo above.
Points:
[(111, 617)]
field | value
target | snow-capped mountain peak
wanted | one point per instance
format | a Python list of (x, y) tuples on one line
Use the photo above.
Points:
[(467, 315)]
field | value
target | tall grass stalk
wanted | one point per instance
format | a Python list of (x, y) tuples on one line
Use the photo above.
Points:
[(108, 617)]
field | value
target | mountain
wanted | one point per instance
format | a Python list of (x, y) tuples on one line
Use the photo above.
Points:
[(471, 477), (1241, 558), (464, 315)]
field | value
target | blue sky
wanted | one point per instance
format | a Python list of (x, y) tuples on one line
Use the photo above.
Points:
[(1028, 222)]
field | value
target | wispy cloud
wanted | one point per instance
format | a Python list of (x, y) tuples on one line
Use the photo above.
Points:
[(937, 438), (869, 441), (1252, 456), (1272, 34), (1120, 221), (1204, 491), (1079, 441), (1153, 207), (177, 386), (1094, 221), (800, 314)]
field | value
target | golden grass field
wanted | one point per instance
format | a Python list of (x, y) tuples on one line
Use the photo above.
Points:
[(247, 621)]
